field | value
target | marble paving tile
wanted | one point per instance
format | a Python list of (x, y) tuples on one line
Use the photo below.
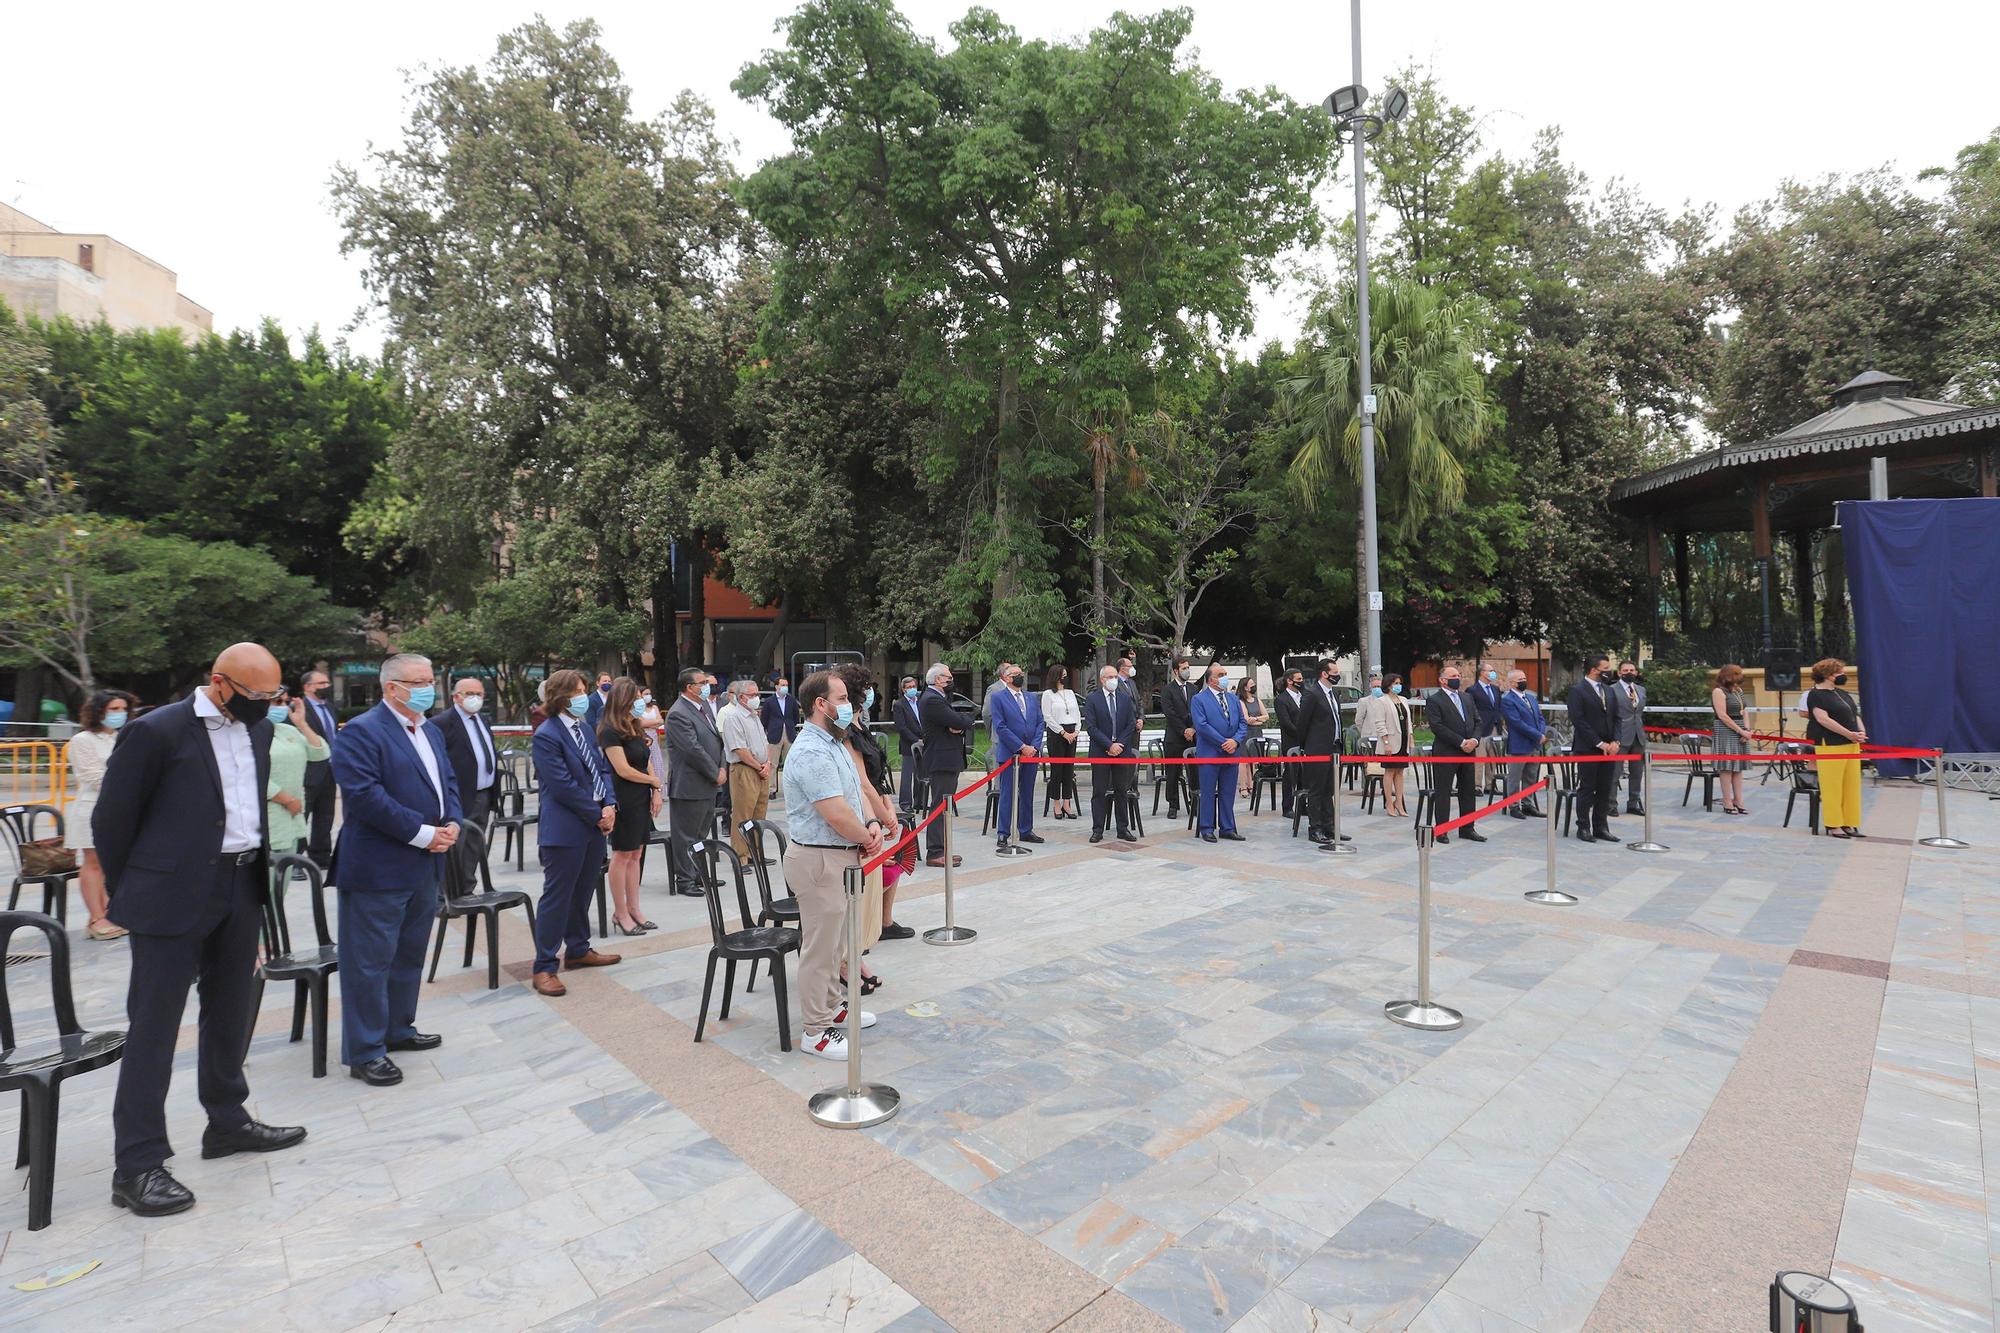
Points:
[(681, 1298), (548, 1221), (1450, 1313), (851, 1295), (772, 1255), (1217, 1274), (1037, 1196), (1107, 1240), (375, 1288), (616, 1255), (1381, 1268), (516, 1297)]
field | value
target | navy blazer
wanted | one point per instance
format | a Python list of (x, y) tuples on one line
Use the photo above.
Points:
[(1116, 725), (389, 797), (781, 716), (454, 729), (1525, 727), (159, 818), (569, 810)]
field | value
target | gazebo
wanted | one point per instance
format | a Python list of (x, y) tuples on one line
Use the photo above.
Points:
[(1876, 442)]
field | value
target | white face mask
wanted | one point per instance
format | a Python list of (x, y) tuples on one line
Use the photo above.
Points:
[(471, 703)]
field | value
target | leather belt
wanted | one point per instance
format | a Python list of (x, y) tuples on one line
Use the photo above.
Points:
[(250, 857), (828, 846)]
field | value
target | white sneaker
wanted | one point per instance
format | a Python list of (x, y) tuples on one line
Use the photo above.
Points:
[(840, 1019), (828, 1045)]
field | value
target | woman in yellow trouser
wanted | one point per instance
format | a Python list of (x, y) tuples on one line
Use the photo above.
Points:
[(1834, 726)]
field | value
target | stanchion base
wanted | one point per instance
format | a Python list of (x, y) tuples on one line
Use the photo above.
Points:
[(1553, 897), (1952, 843), (1429, 1017), (951, 935), (1012, 849), (1339, 849), (837, 1108), (1647, 847)]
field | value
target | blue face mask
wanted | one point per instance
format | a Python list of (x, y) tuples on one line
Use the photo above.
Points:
[(843, 714), (704, 689), (579, 706), (116, 720), (784, 690), (1397, 688), (422, 697), (1223, 684), (909, 691), (638, 708), (1492, 675), (1375, 691), (278, 712), (868, 700)]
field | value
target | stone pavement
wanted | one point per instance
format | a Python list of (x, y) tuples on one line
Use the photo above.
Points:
[(1158, 1091)]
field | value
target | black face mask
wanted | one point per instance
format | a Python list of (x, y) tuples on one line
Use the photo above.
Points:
[(1840, 679), (323, 693), (246, 710)]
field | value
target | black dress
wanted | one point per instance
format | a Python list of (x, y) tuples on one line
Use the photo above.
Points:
[(634, 821)]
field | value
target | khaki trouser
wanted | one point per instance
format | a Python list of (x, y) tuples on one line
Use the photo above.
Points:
[(781, 748), (1488, 747), (748, 799), (815, 875)]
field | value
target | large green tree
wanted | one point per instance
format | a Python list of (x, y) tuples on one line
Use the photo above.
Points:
[(1035, 212)]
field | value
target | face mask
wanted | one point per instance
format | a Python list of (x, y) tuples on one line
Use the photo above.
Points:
[(1396, 688), (579, 705), (246, 710), (749, 703), (638, 708), (1375, 691), (1522, 687), (868, 700), (604, 687), (278, 713), (1222, 684), (1840, 679), (115, 720), (472, 703), (422, 697), (1108, 684), (784, 690), (1017, 681), (704, 689), (1492, 675), (1451, 684), (843, 714), (323, 693), (909, 691)]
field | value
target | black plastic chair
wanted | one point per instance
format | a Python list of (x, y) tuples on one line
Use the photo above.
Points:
[(469, 895), (752, 944), (1700, 770), (1804, 779), (1426, 790), (37, 1068), (307, 969), (1265, 777), (510, 816), (1164, 773), (772, 910), (19, 824), (1562, 782)]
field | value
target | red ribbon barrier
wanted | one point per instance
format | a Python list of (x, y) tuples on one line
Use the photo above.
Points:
[(1484, 811), (909, 835)]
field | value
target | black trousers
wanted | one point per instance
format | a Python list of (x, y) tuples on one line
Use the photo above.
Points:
[(1594, 792), (319, 798), (1062, 777), (1319, 796), (943, 782), (476, 805), (1447, 778), (219, 958), (1173, 745), (1288, 781), (691, 820), (915, 793), (1114, 790)]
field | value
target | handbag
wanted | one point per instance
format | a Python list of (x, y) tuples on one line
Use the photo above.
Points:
[(46, 856)]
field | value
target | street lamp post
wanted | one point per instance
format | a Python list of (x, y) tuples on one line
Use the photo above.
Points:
[(1351, 120)]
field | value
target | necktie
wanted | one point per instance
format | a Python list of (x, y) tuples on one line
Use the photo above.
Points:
[(485, 747)]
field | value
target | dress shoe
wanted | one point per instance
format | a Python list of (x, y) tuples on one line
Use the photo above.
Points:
[(1443, 838), (1605, 835), (1534, 811), (1097, 835), (250, 1136), (152, 1193), (1517, 813), (689, 891), (896, 930), (1635, 809), (1585, 837), (1208, 837), (548, 983), (593, 959), (381, 1072), (1127, 835), (956, 861), (1473, 835), (417, 1041), (1314, 835), (1032, 837), (1234, 837)]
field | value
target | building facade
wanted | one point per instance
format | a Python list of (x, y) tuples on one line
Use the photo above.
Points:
[(90, 276)]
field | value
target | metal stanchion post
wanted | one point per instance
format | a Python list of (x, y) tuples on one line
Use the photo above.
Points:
[(950, 932), (1943, 838), (1646, 783), (1549, 893), (1420, 1012), (1333, 846), (856, 1105)]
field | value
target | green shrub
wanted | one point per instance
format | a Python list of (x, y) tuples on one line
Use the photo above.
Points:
[(1679, 686)]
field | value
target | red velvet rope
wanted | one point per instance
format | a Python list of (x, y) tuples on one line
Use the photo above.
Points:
[(1484, 811)]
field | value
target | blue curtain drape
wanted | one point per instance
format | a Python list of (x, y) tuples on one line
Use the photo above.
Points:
[(1925, 579)]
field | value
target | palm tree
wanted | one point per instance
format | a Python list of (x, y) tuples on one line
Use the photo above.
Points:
[(1432, 407)]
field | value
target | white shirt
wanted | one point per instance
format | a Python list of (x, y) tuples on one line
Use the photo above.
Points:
[(1059, 710), (482, 748), (242, 798), (428, 758)]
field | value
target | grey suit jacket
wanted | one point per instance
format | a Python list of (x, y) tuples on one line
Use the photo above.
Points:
[(694, 752), (1626, 721)]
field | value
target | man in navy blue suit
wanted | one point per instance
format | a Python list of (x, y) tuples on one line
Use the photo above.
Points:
[(402, 817), (1219, 731), (320, 792), (1111, 716), (578, 809), (781, 728), (1016, 718), (180, 828), (594, 712)]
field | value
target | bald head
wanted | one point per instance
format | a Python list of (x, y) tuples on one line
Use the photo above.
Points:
[(249, 665)]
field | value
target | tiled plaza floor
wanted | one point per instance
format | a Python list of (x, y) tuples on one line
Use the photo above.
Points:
[(1158, 1091)]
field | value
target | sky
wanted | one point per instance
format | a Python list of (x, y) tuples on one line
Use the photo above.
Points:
[(203, 134)]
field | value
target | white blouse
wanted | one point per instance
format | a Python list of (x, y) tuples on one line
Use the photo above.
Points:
[(1059, 710)]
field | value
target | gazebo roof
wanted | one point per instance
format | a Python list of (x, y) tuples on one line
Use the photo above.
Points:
[(1873, 413)]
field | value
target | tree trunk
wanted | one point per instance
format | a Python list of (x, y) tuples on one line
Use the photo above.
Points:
[(1683, 586), (666, 636), (1802, 589), (773, 641), (1006, 577), (28, 688), (1100, 596), (701, 562)]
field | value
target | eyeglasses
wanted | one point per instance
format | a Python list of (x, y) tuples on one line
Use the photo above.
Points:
[(261, 696), (412, 684)]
